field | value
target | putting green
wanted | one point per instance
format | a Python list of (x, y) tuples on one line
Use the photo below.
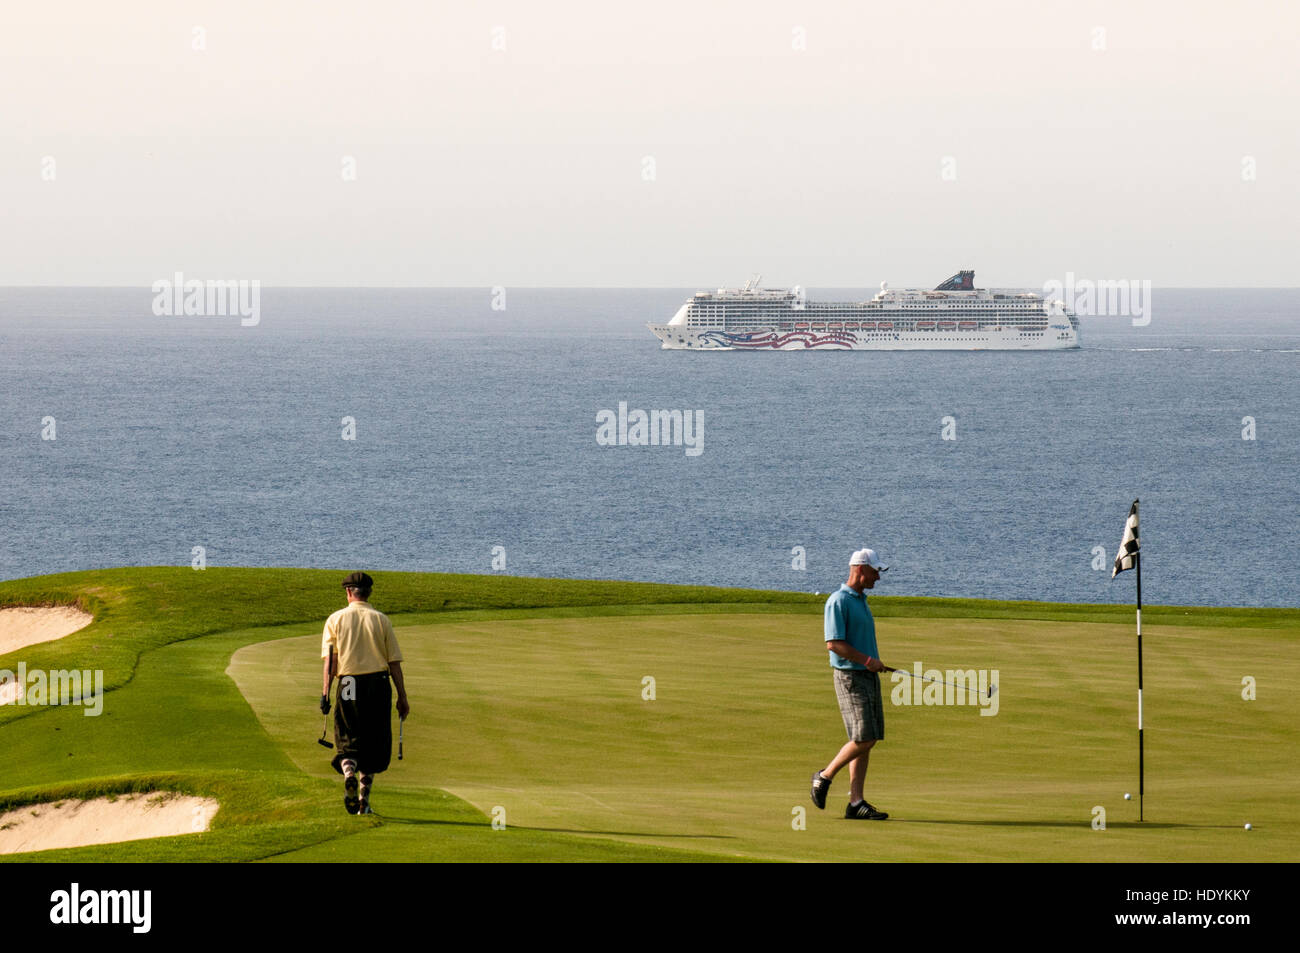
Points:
[(546, 720)]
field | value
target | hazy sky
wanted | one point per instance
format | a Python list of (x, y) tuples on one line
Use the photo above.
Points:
[(682, 144)]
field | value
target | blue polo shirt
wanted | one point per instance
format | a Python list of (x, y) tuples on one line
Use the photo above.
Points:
[(849, 619)]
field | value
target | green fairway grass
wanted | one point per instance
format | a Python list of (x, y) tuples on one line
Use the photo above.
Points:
[(527, 698), (559, 735)]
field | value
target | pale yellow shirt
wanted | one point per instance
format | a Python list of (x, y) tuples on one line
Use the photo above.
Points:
[(363, 639)]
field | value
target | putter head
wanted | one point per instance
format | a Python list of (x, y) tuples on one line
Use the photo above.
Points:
[(324, 744)]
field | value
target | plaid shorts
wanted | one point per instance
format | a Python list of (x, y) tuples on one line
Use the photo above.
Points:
[(858, 692)]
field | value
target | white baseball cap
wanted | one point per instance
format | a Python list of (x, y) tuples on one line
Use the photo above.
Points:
[(866, 557)]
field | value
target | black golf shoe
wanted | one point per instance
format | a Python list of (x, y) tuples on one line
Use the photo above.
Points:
[(350, 799), (862, 811), (820, 788)]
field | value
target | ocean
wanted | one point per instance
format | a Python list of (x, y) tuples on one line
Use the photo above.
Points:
[(475, 446)]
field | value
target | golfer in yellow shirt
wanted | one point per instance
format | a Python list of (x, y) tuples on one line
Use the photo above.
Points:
[(359, 647)]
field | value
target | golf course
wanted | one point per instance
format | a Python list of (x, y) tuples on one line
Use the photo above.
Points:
[(572, 720)]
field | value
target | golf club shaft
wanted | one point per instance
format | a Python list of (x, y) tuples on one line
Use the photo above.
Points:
[(938, 681)]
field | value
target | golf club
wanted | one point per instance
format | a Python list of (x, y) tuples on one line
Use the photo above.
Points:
[(992, 688), (321, 740), (401, 724)]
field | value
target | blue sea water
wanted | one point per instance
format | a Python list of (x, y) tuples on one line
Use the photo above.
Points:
[(476, 428)]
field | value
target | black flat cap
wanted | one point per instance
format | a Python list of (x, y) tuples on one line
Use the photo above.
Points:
[(358, 580)]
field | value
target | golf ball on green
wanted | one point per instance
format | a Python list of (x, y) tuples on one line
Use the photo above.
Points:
[(1247, 827), (1127, 796)]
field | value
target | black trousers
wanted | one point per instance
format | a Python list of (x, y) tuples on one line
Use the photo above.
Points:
[(363, 722)]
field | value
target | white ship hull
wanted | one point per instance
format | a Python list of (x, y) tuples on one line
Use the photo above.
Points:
[(676, 337)]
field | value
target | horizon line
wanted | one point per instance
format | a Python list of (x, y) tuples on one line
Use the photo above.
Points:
[(479, 287)]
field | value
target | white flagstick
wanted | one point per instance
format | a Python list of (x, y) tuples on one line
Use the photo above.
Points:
[(1130, 557), (1137, 564)]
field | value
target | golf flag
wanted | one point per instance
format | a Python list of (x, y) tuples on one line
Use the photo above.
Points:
[(1130, 557), (1128, 547)]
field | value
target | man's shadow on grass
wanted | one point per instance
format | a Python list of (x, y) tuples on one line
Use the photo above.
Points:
[(436, 822)]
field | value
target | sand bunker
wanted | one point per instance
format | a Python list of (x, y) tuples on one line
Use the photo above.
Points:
[(21, 626), (103, 821)]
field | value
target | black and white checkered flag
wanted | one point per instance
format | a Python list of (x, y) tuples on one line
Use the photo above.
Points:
[(1128, 547)]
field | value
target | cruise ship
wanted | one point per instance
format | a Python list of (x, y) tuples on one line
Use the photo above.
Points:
[(954, 316)]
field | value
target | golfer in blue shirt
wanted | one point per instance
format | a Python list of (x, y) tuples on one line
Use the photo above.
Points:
[(851, 639)]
